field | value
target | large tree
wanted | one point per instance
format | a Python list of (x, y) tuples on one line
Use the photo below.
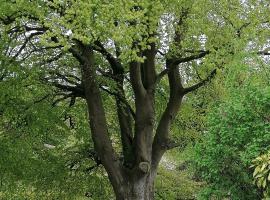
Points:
[(131, 50)]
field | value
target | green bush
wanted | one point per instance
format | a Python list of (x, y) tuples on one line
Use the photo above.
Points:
[(261, 173), (239, 131)]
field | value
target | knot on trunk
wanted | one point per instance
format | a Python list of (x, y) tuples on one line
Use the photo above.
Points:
[(144, 167)]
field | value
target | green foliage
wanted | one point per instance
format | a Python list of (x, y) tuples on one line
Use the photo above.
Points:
[(261, 173), (239, 130), (42, 156)]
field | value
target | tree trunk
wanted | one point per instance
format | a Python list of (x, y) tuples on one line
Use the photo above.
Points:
[(133, 181), (137, 188)]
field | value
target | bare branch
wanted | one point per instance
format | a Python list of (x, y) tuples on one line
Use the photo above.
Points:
[(65, 78), (114, 63), (77, 90), (176, 62), (26, 42), (265, 52), (161, 53), (123, 100), (200, 84), (55, 58), (162, 74), (191, 58), (42, 99), (61, 99)]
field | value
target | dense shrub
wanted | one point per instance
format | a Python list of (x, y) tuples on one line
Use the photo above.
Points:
[(239, 131)]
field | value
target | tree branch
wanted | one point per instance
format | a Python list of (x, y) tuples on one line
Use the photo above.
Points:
[(124, 110), (178, 61), (191, 58), (148, 68), (77, 90), (26, 42), (265, 52), (200, 84), (114, 63), (123, 100), (66, 96), (136, 79), (175, 98), (77, 55), (97, 119)]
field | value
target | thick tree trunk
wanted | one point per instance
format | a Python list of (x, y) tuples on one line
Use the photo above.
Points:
[(133, 181), (143, 143), (138, 188)]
